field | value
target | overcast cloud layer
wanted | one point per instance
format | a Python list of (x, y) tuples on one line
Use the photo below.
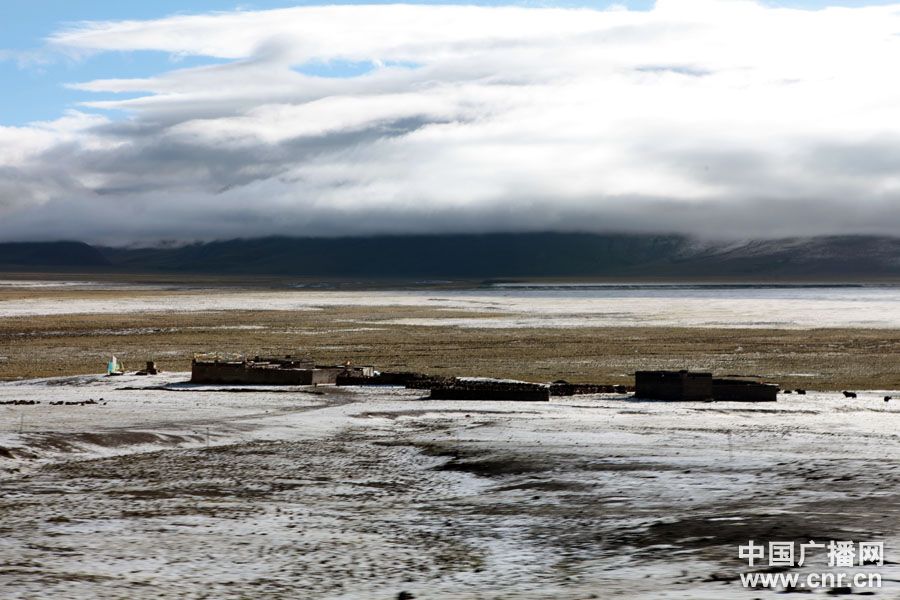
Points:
[(717, 118)]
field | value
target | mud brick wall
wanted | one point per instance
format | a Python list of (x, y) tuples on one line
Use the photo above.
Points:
[(736, 390), (673, 385), (246, 374), (217, 372)]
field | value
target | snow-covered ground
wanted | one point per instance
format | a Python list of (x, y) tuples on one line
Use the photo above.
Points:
[(696, 306), (164, 489), (74, 284)]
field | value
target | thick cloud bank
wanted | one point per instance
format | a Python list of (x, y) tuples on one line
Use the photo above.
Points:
[(713, 117)]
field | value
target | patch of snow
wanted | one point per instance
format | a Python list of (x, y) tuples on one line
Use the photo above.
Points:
[(691, 306)]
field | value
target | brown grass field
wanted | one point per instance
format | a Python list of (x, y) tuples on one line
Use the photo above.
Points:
[(821, 359)]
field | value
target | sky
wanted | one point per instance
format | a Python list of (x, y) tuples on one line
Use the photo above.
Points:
[(171, 122)]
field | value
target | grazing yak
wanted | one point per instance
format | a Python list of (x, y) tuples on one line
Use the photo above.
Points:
[(849, 394)]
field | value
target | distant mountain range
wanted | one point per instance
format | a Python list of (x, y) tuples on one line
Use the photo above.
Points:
[(485, 256), (51, 254)]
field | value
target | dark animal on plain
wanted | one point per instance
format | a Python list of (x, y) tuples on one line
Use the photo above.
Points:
[(801, 392), (788, 392), (849, 394), (887, 398)]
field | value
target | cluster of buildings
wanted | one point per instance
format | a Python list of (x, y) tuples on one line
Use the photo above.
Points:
[(651, 385)]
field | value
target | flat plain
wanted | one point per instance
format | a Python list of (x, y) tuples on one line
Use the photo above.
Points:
[(819, 340), (158, 488)]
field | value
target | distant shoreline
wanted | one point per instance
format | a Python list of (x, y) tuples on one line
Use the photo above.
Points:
[(262, 281)]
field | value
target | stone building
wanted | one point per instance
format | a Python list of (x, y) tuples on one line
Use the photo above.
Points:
[(673, 385), (685, 386), (268, 371)]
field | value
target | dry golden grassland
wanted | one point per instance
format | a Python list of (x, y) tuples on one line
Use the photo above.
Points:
[(823, 359)]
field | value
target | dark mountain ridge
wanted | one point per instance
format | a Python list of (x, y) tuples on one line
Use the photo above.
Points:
[(51, 254), (487, 256)]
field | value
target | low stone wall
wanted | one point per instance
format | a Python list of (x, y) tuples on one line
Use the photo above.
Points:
[(407, 379), (576, 389), (491, 390), (428, 382)]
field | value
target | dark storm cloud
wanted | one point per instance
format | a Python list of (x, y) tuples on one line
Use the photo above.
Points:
[(475, 120)]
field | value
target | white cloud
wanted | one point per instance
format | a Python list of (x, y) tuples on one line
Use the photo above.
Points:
[(713, 117)]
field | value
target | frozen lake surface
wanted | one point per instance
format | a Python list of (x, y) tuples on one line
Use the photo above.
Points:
[(531, 305)]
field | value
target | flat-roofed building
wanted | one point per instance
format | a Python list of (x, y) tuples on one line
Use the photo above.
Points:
[(743, 390), (269, 371), (688, 386), (673, 385)]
